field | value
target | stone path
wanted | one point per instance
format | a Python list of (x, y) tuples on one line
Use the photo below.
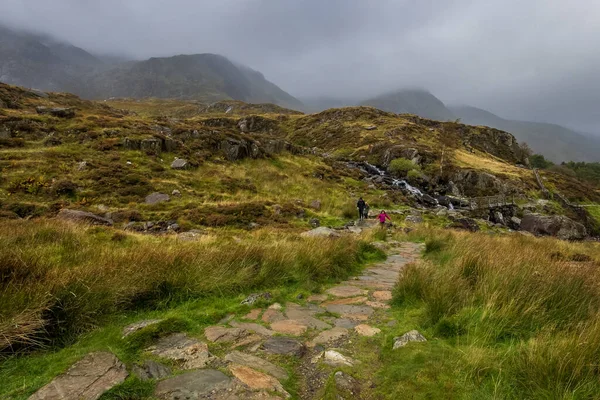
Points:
[(250, 356)]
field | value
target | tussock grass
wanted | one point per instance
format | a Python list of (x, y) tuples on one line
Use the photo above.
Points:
[(524, 299), (58, 280)]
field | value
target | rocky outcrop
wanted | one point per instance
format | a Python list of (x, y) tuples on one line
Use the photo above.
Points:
[(256, 123), (56, 112), (180, 163), (498, 143), (553, 225), (156, 198), (82, 216), (476, 183)]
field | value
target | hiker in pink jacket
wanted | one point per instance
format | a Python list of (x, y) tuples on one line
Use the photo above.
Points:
[(382, 217)]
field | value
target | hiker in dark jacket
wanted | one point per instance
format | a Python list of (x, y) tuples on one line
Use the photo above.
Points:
[(360, 204)]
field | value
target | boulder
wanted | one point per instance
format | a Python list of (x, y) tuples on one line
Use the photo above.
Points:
[(82, 216), (499, 218), (475, 183), (553, 225), (180, 163), (186, 352), (56, 112), (321, 231), (315, 204), (413, 219), (156, 198), (514, 223), (152, 145), (465, 223), (132, 144), (87, 379)]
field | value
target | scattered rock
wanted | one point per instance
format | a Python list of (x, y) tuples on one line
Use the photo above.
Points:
[(192, 385), (514, 223), (87, 379), (370, 127), (81, 166), (382, 295), (257, 380), (180, 163), (129, 329), (366, 330), (314, 222), (249, 360), (468, 224), (289, 327), (333, 358), (188, 353), (346, 383), (253, 314), (189, 236), (156, 198), (413, 219), (283, 345), (254, 297), (346, 291), (56, 112), (553, 225), (151, 370), (321, 231), (82, 216), (354, 312), (412, 336), (329, 336), (175, 193), (219, 334), (275, 306)]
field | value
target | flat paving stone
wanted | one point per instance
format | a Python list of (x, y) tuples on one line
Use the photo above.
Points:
[(271, 315), (87, 379), (187, 352), (366, 330), (257, 380), (329, 336), (253, 327), (248, 340), (253, 314), (346, 300), (219, 334), (354, 310), (382, 295), (346, 291), (237, 357), (377, 304), (289, 327), (317, 298), (192, 385), (345, 323), (283, 345)]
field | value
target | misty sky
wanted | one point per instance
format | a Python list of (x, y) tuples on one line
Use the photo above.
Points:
[(522, 59)]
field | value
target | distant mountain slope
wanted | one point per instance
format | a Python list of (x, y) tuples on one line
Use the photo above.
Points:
[(418, 102), (40, 62), (553, 141)]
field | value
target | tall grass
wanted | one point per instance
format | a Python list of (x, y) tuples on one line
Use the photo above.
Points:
[(58, 280), (522, 296)]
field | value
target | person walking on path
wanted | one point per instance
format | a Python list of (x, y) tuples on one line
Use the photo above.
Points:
[(360, 204), (382, 217), (366, 213)]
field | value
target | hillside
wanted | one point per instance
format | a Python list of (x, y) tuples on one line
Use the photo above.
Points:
[(418, 102), (43, 63), (555, 142), (164, 243)]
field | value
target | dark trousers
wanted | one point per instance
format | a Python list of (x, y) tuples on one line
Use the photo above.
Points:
[(361, 213)]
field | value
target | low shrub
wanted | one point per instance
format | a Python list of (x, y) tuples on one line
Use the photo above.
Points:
[(401, 166)]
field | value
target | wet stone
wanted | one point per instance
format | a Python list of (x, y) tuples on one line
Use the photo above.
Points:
[(87, 379), (283, 345)]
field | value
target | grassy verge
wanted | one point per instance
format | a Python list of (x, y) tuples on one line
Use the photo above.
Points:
[(507, 317)]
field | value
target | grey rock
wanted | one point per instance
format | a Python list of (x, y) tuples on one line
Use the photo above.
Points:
[(151, 145), (333, 358), (249, 360), (219, 334), (193, 385), (315, 204), (175, 193), (151, 370), (345, 382), (555, 225), (132, 144), (180, 163), (411, 336), (87, 379), (82, 216), (514, 223), (284, 345), (81, 166), (254, 297), (187, 352), (499, 218), (321, 231), (156, 198), (414, 219), (314, 222), (129, 329), (57, 112)]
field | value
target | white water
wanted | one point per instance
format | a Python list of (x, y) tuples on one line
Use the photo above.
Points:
[(405, 185), (382, 173)]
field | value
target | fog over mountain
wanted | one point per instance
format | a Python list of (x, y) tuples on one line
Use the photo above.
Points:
[(534, 60)]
